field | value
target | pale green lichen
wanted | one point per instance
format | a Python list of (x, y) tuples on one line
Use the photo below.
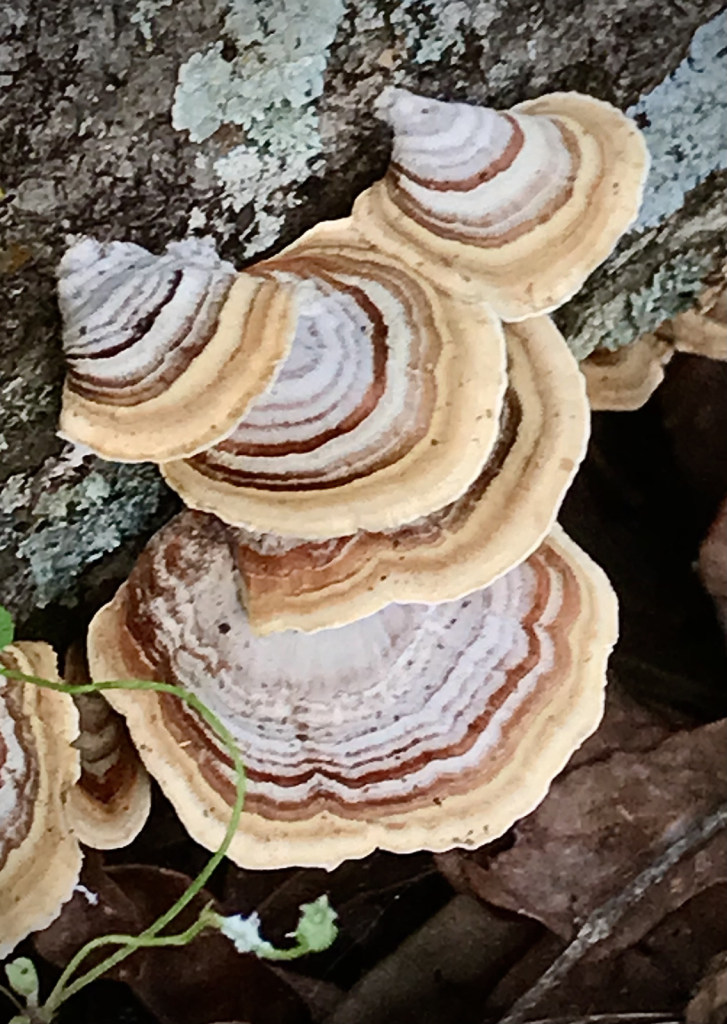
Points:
[(432, 29), (671, 289), (686, 116), (143, 16), (269, 89), (73, 524), (248, 173)]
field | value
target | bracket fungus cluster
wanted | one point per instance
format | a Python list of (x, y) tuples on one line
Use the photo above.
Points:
[(373, 431)]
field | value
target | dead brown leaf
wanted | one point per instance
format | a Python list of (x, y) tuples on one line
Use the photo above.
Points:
[(604, 822), (204, 981), (709, 1004), (657, 974)]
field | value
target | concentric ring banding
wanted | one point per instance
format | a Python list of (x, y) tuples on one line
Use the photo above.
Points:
[(331, 382), (357, 338), (133, 322), (19, 770), (472, 175), (368, 716), (291, 583)]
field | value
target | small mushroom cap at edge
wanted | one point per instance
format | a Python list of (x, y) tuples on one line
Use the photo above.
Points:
[(624, 380), (109, 805), (40, 858)]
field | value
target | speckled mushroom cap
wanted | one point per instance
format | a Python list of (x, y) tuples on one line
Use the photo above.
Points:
[(386, 409), (110, 803), (499, 521), (164, 353), (419, 727), (40, 860), (513, 208)]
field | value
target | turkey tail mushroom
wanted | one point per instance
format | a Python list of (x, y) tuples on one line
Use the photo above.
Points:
[(512, 208), (494, 525), (418, 727), (386, 408), (40, 858), (702, 331), (164, 353), (625, 379), (109, 805)]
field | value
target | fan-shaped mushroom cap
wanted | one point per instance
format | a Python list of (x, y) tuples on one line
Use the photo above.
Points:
[(513, 208), (419, 727), (702, 331), (40, 860), (110, 803), (501, 518), (385, 410), (627, 378), (165, 353)]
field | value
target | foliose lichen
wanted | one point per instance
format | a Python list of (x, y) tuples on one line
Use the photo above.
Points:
[(66, 526), (672, 288), (143, 15), (269, 89), (683, 122)]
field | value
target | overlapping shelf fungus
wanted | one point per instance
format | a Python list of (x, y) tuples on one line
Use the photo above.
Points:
[(386, 408), (498, 521), (374, 431), (514, 208), (418, 727)]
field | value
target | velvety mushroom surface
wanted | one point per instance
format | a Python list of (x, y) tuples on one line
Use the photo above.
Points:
[(164, 353), (513, 208), (501, 518), (40, 860), (385, 410), (110, 803), (419, 727)]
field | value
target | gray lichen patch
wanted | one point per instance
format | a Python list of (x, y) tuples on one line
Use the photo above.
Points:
[(267, 88), (62, 520), (671, 289), (144, 14), (652, 276), (683, 121)]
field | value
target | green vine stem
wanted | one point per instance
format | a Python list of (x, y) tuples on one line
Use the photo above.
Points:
[(9, 995), (150, 937)]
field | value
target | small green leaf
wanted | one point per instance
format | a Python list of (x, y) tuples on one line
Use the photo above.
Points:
[(7, 629), (316, 928), (23, 979)]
